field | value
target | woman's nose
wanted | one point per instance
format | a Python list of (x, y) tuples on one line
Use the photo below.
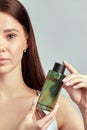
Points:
[(2, 49), (2, 46)]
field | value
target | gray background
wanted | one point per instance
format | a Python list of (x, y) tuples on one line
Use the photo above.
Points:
[(60, 28)]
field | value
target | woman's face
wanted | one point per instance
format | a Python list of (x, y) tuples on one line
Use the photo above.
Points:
[(12, 43)]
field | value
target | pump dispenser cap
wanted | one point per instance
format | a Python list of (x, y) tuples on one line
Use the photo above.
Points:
[(60, 68)]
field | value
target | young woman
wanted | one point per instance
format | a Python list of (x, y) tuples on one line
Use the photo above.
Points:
[(21, 75)]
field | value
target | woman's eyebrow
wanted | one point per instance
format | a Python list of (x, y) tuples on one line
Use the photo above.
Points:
[(11, 29)]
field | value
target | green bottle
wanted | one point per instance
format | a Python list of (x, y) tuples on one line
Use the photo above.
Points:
[(51, 88)]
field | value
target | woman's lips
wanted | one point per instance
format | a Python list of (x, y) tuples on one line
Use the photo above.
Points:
[(3, 60)]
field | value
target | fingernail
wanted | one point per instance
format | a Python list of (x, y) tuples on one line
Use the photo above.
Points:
[(68, 84), (57, 105), (64, 61), (64, 80), (75, 86), (34, 102)]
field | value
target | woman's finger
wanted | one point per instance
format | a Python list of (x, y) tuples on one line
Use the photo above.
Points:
[(80, 85), (48, 118), (48, 123), (75, 75), (75, 79), (32, 110), (69, 67)]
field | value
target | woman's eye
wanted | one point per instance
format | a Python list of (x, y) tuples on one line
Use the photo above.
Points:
[(11, 36)]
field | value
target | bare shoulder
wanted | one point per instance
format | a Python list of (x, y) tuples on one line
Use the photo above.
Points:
[(67, 116)]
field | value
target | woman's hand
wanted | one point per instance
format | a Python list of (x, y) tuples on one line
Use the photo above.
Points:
[(76, 85), (34, 121)]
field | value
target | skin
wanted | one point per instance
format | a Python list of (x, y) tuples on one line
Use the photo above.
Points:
[(17, 101)]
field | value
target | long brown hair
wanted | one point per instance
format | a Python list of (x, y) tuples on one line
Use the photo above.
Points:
[(32, 70)]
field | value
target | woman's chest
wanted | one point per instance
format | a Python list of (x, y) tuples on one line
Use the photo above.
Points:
[(12, 113)]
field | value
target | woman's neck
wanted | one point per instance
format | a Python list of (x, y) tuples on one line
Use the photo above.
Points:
[(11, 83)]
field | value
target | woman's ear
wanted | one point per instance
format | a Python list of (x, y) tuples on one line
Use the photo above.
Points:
[(26, 45)]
